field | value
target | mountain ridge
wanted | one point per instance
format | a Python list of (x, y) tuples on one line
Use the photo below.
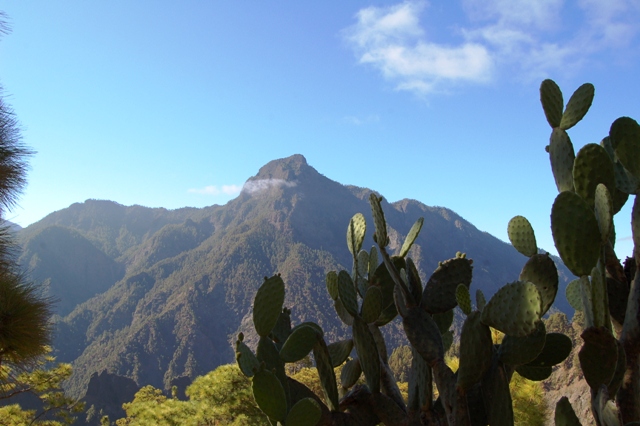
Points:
[(188, 276)]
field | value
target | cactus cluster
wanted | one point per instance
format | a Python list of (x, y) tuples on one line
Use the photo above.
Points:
[(593, 186)]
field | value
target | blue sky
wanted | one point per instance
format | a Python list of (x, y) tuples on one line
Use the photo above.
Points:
[(172, 104)]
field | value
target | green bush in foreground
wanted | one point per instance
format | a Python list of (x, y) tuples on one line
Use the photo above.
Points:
[(43, 380), (221, 397)]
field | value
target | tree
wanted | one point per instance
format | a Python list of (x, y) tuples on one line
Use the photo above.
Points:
[(151, 407), (24, 314), (400, 363), (221, 397), (44, 381), (224, 397), (25, 328)]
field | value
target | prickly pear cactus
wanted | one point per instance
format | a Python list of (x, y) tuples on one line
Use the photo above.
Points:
[(593, 186), (368, 298), (602, 179)]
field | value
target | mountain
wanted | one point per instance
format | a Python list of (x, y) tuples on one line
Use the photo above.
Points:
[(157, 295)]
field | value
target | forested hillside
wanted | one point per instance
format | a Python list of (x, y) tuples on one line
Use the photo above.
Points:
[(154, 295)]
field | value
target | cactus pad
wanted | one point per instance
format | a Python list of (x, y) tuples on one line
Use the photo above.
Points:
[(578, 105), (381, 236), (371, 305), (591, 167), (497, 396), (573, 295), (625, 181), (562, 155), (476, 348), (382, 279), (586, 295), (268, 354), (326, 374), (463, 298), (347, 292), (380, 343), (598, 356), (420, 382), (575, 233), (439, 294), (618, 294), (411, 237), (625, 139), (414, 282), (536, 374), (299, 344), (557, 347), (387, 315), (514, 309), (598, 289), (521, 350), (621, 368), (373, 261), (245, 358), (564, 414), (332, 284), (342, 312), (541, 270), (367, 353), (481, 301), (552, 102), (355, 233), (444, 320), (522, 236), (363, 263), (267, 305), (423, 334), (350, 373), (269, 395), (362, 268), (305, 412), (401, 302), (339, 351), (447, 340), (282, 329), (604, 212)]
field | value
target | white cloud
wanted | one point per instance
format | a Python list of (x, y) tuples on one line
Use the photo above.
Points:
[(552, 36), (214, 190), (612, 23), (254, 186), (540, 14), (528, 39), (392, 40)]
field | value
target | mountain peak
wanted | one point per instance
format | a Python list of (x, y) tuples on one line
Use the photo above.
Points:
[(287, 172), (283, 168)]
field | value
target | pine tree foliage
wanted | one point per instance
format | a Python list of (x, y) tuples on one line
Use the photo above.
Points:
[(529, 407), (25, 328), (24, 314), (400, 363), (44, 380), (222, 397)]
